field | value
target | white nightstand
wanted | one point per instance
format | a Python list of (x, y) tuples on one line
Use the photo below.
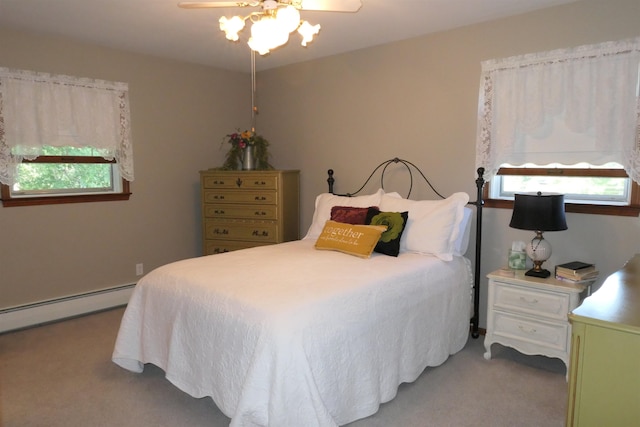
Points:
[(530, 313)]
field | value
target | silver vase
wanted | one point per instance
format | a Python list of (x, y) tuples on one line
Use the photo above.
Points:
[(248, 160)]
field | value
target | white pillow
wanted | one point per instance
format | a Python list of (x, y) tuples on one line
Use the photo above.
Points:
[(461, 244), (325, 201), (433, 225)]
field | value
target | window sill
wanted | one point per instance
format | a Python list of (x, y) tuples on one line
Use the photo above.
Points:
[(633, 211), (55, 200)]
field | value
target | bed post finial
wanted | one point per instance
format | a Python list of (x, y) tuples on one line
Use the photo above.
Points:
[(480, 184), (330, 180)]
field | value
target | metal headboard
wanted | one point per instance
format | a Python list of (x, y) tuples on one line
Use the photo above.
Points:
[(384, 165), (478, 203)]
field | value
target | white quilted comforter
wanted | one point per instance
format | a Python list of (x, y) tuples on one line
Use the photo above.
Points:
[(289, 336)]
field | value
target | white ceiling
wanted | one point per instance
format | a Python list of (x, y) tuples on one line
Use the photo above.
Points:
[(160, 28)]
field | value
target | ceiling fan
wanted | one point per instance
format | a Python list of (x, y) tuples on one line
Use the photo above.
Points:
[(314, 5), (275, 20), (271, 25)]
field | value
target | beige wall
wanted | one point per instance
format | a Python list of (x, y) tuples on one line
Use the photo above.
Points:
[(415, 99), (179, 113)]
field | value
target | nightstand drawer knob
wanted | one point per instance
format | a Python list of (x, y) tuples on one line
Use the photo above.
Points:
[(528, 301)]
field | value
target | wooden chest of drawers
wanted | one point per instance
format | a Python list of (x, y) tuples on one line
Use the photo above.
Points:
[(530, 314), (241, 209)]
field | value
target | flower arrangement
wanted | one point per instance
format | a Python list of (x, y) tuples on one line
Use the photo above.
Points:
[(239, 141)]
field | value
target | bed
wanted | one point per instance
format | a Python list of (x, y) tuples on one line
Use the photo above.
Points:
[(290, 335)]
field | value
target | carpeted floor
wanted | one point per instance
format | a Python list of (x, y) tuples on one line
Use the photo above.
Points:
[(61, 375)]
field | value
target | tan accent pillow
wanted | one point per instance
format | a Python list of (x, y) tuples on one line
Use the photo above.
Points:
[(358, 240)]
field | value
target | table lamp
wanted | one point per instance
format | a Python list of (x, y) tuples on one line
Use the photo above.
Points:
[(538, 213)]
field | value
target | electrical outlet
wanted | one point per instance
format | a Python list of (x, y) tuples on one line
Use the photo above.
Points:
[(139, 269)]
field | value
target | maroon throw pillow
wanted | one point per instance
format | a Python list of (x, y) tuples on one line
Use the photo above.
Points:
[(349, 215)]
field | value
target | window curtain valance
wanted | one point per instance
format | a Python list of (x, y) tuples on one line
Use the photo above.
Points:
[(564, 106), (38, 109)]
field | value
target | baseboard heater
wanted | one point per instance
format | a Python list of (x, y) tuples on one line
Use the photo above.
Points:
[(60, 308)]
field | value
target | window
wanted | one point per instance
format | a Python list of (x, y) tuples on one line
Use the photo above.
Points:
[(563, 107), (66, 175), (63, 139), (587, 189)]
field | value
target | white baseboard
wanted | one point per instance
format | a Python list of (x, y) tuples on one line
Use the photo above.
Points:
[(48, 311)]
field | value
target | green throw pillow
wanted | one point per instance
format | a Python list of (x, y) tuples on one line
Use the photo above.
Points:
[(389, 243)]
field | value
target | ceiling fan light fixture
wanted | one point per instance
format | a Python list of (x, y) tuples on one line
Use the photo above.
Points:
[(286, 12), (258, 46), (231, 27), (267, 34), (307, 31), (270, 27), (289, 18)]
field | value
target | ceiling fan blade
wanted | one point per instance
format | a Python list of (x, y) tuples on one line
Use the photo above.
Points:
[(214, 4), (331, 5)]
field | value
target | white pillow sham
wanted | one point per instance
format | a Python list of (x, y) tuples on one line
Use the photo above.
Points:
[(325, 201), (461, 244), (433, 225)]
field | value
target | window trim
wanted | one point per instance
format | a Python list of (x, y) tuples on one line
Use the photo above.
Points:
[(9, 201), (633, 209)]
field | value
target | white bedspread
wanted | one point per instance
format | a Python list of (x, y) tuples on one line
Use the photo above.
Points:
[(289, 336)]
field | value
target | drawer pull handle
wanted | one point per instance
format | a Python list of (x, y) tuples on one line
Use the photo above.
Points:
[(259, 213), (258, 233), (216, 182), (527, 330), (261, 198), (528, 301), (220, 212), (218, 197), (239, 182), (223, 231), (260, 183)]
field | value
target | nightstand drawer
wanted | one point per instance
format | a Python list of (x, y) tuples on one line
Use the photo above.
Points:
[(536, 302), (531, 332)]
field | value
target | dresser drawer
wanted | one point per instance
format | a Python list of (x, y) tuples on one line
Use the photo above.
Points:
[(221, 246), (509, 297), (252, 231), (252, 197), (241, 181), (231, 211), (531, 332)]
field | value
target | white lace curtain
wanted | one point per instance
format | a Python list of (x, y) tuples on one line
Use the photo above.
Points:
[(38, 109), (565, 106)]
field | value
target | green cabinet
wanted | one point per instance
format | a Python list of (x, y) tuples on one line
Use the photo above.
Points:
[(604, 377)]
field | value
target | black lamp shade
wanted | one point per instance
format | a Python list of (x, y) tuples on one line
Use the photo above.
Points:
[(538, 212)]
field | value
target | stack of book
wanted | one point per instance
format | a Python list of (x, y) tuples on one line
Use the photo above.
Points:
[(576, 271)]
